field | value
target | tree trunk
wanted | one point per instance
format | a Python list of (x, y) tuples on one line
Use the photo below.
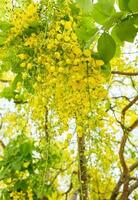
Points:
[(82, 169)]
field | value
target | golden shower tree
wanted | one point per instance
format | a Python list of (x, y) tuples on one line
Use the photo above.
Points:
[(70, 76)]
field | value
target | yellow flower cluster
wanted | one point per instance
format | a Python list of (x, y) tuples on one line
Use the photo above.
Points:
[(68, 78), (21, 195), (18, 195), (30, 194), (31, 41), (72, 83), (22, 18)]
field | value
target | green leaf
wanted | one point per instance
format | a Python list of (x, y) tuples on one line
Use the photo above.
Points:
[(118, 42), (5, 195), (123, 5), (126, 31), (85, 5), (108, 105), (85, 35), (133, 5), (21, 185), (115, 18), (26, 149), (33, 28), (10, 61), (6, 65), (103, 10), (87, 22), (106, 70), (106, 47), (86, 29), (4, 25), (28, 83), (16, 164), (3, 37), (18, 78), (4, 28), (7, 93), (96, 55), (135, 20), (74, 9)]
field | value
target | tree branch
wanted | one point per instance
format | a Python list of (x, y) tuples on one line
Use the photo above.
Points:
[(125, 73), (133, 126), (125, 176), (20, 102), (118, 97), (133, 166), (116, 189), (74, 196), (121, 153), (131, 103), (46, 124), (68, 191), (5, 81), (2, 144), (133, 187)]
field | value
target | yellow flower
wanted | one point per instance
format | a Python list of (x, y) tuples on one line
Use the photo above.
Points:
[(23, 64), (31, 41), (31, 9), (76, 61), (99, 62), (61, 69), (52, 69), (66, 38), (57, 28), (23, 56), (59, 36), (50, 46), (29, 66), (76, 50), (69, 136), (68, 25), (26, 164), (87, 52), (79, 131), (24, 75), (9, 180), (73, 36), (39, 78), (68, 61), (19, 85), (57, 55), (92, 81)]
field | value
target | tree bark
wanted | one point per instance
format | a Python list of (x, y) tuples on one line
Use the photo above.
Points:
[(125, 192), (116, 189), (82, 169)]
